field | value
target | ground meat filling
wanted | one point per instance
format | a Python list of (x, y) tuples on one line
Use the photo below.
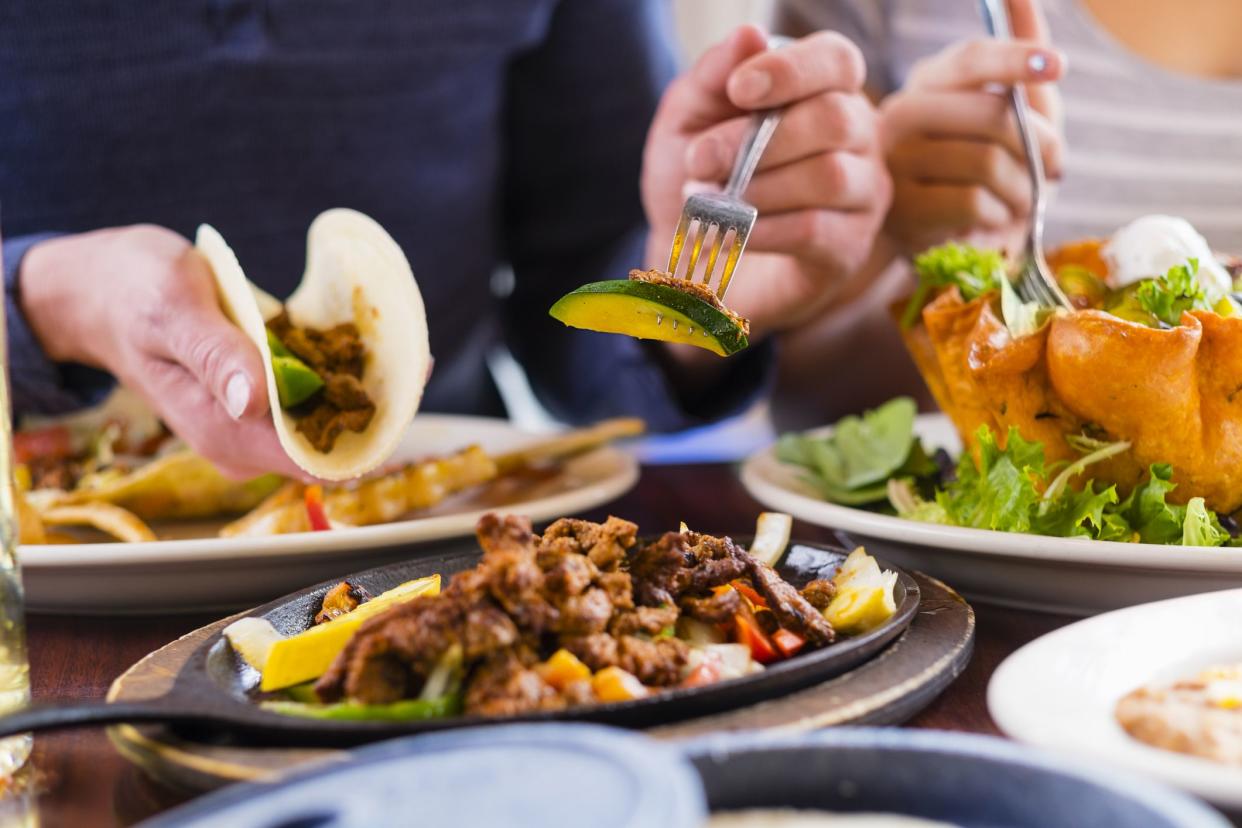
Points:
[(339, 357), (590, 588), (54, 473)]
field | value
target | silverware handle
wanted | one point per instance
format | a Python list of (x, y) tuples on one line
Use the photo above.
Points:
[(762, 125), (996, 19), (1034, 159)]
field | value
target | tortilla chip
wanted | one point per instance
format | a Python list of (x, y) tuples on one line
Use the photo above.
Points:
[(107, 518), (29, 524), (177, 486)]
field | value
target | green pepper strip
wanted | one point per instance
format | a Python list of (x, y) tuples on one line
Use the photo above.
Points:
[(408, 710)]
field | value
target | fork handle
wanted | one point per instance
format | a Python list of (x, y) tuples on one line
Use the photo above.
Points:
[(996, 18), (762, 125)]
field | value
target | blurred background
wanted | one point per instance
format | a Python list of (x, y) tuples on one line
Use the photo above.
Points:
[(700, 23)]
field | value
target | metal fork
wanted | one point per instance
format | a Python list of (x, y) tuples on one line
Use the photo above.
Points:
[(723, 214), (1036, 283)]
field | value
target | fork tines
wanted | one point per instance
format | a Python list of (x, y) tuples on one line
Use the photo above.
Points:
[(721, 218)]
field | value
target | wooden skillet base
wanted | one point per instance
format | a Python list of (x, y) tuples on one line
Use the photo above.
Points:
[(888, 689)]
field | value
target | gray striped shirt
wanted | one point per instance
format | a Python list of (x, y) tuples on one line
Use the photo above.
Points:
[(1140, 139)]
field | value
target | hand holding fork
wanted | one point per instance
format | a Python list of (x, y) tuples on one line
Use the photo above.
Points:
[(819, 189)]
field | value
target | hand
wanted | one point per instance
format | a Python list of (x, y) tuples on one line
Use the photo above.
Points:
[(141, 303), (952, 144), (821, 188)]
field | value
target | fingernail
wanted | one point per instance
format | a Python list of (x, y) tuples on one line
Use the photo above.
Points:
[(1040, 63), (237, 395), (752, 85)]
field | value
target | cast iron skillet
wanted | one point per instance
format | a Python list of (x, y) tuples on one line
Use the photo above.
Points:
[(213, 693)]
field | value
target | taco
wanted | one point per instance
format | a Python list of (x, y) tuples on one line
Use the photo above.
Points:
[(347, 355)]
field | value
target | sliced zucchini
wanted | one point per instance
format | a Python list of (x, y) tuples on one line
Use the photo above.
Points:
[(650, 311)]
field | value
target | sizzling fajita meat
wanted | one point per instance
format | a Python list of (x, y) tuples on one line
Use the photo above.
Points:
[(590, 589), (819, 593)]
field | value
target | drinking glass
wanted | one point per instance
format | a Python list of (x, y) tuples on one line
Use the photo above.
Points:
[(14, 669)]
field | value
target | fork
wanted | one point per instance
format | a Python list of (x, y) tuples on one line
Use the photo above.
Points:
[(725, 213), (1036, 283)]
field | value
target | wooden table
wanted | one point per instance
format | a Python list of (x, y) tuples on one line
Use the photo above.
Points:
[(81, 781)]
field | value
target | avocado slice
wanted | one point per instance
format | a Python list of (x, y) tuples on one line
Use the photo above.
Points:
[(650, 311), (296, 381), (1123, 303), (275, 345), (1083, 285)]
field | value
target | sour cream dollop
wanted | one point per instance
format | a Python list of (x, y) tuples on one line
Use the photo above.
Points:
[(1147, 247)]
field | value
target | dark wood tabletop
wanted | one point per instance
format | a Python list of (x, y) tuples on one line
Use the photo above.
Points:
[(79, 780)]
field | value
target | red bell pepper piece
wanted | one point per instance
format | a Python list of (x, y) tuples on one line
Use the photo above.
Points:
[(314, 509), (748, 633), (53, 443), (788, 642), (748, 592)]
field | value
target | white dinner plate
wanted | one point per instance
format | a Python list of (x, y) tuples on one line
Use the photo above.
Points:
[(1059, 691), (1074, 575), (199, 571)]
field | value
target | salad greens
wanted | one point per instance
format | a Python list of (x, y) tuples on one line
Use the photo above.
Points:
[(1176, 291), (974, 271), (1153, 302), (1021, 318), (876, 460), (855, 463)]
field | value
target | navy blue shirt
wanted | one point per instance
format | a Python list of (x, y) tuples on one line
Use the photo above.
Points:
[(483, 134)]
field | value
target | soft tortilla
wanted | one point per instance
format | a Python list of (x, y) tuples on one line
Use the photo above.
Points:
[(355, 272)]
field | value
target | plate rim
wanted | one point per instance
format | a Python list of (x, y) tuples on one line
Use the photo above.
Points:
[(757, 477), (1218, 783), (51, 557)]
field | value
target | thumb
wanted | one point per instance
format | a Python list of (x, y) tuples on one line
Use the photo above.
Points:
[(214, 350), (225, 362)]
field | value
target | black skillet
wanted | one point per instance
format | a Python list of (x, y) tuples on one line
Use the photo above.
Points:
[(213, 693)]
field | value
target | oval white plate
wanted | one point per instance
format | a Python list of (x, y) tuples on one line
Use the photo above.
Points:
[(1059, 691), (212, 573), (1073, 575)]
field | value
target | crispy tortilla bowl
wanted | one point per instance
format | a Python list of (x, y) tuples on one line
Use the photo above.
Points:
[(1171, 392)]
